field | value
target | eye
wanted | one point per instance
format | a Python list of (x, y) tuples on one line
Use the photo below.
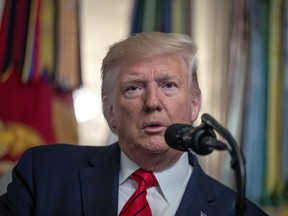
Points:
[(170, 88), (169, 85), (132, 88)]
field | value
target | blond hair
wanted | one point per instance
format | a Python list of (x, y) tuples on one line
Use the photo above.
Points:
[(149, 45)]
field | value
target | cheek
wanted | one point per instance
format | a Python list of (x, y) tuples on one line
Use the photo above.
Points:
[(126, 111), (181, 110)]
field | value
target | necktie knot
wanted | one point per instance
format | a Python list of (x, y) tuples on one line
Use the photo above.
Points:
[(137, 203), (145, 179)]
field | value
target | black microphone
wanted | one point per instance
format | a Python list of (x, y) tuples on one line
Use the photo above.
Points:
[(202, 139)]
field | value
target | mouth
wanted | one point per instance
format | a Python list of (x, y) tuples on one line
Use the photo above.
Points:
[(154, 127)]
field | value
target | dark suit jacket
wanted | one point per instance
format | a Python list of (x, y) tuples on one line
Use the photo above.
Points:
[(76, 180)]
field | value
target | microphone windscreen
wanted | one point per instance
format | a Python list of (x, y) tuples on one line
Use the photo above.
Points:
[(172, 133)]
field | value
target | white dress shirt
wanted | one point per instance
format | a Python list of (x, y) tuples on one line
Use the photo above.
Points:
[(163, 199)]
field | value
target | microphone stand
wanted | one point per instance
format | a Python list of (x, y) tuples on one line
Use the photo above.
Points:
[(237, 161)]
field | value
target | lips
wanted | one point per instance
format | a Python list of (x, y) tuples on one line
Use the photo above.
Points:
[(153, 124), (154, 127)]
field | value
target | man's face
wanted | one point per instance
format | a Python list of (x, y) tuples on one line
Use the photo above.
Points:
[(150, 95)]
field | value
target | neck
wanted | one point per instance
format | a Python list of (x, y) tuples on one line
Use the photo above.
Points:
[(155, 161)]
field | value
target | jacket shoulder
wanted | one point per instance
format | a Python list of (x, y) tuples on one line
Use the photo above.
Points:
[(59, 155)]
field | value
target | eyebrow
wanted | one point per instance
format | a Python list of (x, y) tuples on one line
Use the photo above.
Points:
[(139, 77)]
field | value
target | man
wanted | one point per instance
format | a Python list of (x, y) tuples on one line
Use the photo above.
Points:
[(149, 82)]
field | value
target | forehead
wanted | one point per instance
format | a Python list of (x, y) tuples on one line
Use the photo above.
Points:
[(158, 65)]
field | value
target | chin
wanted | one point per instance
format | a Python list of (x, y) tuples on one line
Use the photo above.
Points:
[(157, 148)]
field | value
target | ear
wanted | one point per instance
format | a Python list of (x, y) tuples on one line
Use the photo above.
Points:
[(109, 112), (196, 105)]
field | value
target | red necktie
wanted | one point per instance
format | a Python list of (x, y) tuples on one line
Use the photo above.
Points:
[(137, 203)]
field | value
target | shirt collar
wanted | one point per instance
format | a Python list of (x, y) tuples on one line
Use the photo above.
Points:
[(127, 168), (170, 180)]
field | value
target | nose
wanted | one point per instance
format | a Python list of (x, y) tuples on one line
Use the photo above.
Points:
[(152, 99)]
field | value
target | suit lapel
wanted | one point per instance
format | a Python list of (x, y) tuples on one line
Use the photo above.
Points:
[(199, 195), (99, 182)]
